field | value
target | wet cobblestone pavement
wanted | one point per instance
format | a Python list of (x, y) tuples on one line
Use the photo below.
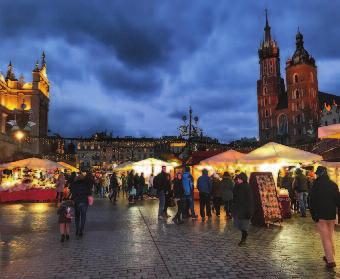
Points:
[(130, 242)]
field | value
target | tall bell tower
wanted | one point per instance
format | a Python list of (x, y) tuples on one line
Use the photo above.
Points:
[(270, 86)]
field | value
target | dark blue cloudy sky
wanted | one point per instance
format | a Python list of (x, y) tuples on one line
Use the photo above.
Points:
[(134, 67)]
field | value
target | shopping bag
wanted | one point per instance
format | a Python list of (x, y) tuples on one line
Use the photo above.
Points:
[(90, 200)]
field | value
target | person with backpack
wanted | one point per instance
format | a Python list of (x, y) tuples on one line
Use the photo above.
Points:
[(204, 186), (324, 201), (300, 186), (162, 184), (188, 187)]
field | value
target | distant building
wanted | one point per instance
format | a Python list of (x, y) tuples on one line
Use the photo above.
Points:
[(289, 116)]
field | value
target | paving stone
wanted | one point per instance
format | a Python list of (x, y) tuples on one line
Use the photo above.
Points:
[(130, 242)]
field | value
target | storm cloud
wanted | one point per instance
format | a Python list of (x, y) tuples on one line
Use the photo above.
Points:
[(135, 67)]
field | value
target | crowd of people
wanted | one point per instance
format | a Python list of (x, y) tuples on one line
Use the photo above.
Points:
[(314, 191)]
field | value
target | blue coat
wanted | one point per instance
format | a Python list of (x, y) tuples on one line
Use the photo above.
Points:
[(204, 184)]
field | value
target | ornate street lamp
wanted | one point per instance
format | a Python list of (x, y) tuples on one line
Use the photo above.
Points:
[(20, 129), (189, 131)]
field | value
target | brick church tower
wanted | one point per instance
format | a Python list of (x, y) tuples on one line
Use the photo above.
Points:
[(302, 91), (270, 86)]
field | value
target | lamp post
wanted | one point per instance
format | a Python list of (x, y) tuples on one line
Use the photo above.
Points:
[(190, 130)]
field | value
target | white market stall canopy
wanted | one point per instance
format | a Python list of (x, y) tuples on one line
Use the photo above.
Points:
[(277, 153), (228, 157), (329, 132), (152, 165), (32, 163)]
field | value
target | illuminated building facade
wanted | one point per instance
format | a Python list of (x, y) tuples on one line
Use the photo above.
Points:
[(292, 115), (25, 101)]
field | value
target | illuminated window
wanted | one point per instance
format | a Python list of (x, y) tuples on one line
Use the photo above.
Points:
[(296, 78)]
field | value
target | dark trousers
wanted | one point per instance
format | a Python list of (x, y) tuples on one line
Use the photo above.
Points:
[(205, 204), (228, 207), (179, 213), (59, 197), (113, 195), (80, 214), (217, 204)]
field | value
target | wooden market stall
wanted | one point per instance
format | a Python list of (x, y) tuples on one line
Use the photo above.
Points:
[(30, 179)]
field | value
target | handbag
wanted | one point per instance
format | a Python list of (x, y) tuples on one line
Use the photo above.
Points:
[(90, 200)]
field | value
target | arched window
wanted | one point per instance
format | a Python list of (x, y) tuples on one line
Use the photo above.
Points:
[(266, 113), (297, 94), (311, 77), (265, 91), (296, 78), (265, 102)]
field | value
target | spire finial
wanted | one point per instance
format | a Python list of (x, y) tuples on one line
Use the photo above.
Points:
[(267, 36), (43, 60), (10, 73)]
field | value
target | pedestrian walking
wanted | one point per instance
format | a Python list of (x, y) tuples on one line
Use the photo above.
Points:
[(131, 186), (204, 186), (300, 186), (243, 206), (81, 191), (65, 212), (142, 185), (161, 183), (136, 183), (168, 198), (227, 187), (124, 185), (188, 188), (60, 185), (324, 201), (178, 197), (113, 188), (216, 192)]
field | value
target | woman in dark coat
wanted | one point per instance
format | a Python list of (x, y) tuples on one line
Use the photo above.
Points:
[(243, 206)]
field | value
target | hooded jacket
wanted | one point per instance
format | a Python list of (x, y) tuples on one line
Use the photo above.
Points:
[(243, 199), (188, 184), (204, 183), (227, 186), (324, 199)]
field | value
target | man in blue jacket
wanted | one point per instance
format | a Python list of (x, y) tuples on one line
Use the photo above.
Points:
[(204, 186), (188, 187)]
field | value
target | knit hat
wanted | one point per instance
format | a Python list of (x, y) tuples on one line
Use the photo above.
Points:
[(321, 171)]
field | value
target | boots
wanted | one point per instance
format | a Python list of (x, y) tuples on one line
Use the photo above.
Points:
[(243, 238)]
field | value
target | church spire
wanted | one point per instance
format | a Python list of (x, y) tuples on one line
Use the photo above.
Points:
[(10, 73), (43, 59), (267, 36)]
